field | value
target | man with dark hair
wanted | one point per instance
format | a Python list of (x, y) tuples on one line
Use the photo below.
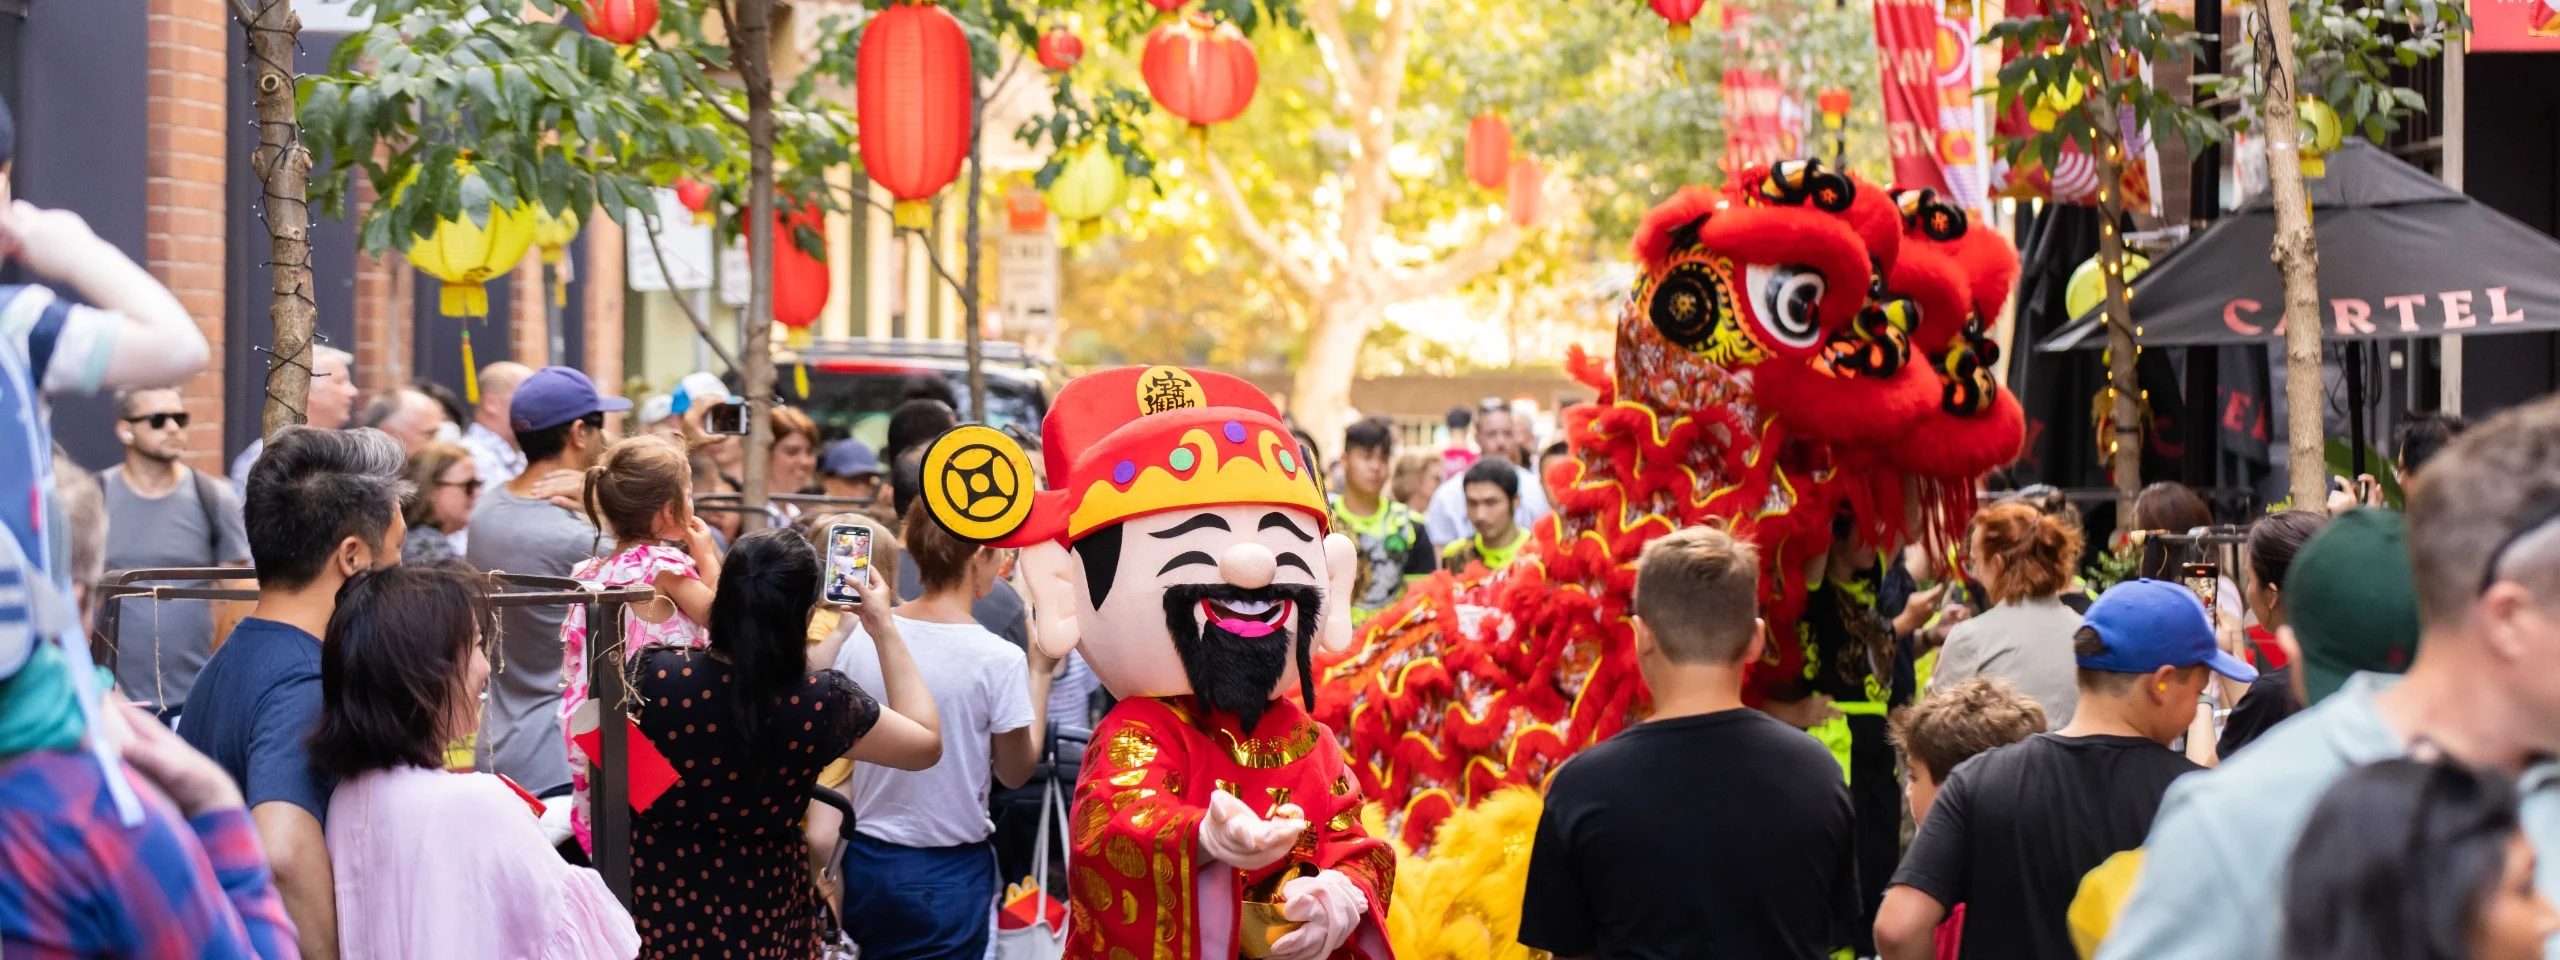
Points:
[(165, 514), (2419, 437), (1393, 548), (915, 423), (2484, 553), (1711, 829), (323, 506), (517, 527), (1492, 497), (1461, 452), (2013, 831), (1499, 435), (1555, 453)]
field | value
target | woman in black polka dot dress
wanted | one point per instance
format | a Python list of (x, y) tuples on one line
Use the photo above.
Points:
[(719, 865)]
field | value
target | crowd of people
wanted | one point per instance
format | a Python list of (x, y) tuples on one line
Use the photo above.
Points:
[(2342, 749)]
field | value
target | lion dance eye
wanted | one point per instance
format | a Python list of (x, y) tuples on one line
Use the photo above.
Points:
[(1788, 301)]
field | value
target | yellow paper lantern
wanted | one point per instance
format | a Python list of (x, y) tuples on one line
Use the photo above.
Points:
[(465, 255), (1088, 188), (2320, 131), (552, 235), (2088, 286)]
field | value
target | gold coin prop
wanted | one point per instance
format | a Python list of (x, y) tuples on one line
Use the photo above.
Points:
[(977, 483)]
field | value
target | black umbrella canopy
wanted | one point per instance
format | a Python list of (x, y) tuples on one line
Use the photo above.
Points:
[(2401, 255)]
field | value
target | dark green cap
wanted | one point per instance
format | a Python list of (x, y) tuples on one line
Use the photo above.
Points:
[(2352, 601)]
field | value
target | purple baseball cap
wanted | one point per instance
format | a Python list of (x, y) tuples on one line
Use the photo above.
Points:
[(556, 395)]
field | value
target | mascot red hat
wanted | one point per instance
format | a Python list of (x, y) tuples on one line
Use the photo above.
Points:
[(1122, 444)]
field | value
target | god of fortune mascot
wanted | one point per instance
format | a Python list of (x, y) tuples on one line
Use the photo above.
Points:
[(1184, 549)]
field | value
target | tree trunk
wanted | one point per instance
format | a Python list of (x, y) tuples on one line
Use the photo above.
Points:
[(283, 168), (1320, 401), (2297, 257), (2124, 387), (750, 48), (972, 308)]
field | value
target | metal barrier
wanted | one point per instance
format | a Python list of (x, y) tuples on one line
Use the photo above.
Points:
[(611, 813)]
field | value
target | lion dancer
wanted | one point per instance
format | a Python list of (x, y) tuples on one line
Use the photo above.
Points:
[(1185, 551)]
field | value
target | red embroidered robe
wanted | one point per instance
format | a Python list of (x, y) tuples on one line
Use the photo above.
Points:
[(1141, 887)]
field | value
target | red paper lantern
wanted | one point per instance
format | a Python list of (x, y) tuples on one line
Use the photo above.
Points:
[(622, 21), (1060, 49), (911, 104), (1488, 151), (1528, 196), (696, 196), (1199, 70), (800, 281), (1679, 12), (1167, 6)]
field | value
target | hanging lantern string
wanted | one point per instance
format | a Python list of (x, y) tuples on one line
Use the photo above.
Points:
[(264, 66)]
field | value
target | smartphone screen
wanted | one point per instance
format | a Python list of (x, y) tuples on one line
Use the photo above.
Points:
[(848, 557), (726, 418), (2205, 579)]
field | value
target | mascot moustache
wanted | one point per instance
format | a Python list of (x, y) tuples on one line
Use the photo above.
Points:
[(1184, 550)]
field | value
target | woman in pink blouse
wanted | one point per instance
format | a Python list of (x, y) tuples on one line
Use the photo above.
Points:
[(433, 864)]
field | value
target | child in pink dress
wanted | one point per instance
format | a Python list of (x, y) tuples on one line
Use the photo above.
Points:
[(640, 491)]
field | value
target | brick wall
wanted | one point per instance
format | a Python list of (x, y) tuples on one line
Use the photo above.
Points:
[(384, 300), (529, 319), (183, 189), (603, 285)]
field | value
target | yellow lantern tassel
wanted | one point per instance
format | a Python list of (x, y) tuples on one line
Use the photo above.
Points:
[(702, 217), (463, 300), (470, 369), (913, 214), (2314, 166), (1680, 33), (800, 380)]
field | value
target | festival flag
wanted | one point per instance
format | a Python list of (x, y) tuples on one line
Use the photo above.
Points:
[(1755, 128), (1907, 41), (2073, 180), (1959, 153)]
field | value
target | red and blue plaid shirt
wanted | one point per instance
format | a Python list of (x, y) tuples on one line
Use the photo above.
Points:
[(74, 882)]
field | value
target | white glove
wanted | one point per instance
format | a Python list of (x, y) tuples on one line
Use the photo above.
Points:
[(1233, 835), (1329, 905)]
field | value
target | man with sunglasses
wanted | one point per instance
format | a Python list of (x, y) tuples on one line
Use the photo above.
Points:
[(2482, 689), (163, 513)]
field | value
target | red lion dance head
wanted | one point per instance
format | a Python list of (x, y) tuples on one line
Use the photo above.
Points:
[(1763, 377)]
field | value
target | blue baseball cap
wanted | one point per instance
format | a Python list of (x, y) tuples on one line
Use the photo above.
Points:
[(2149, 624), (849, 458), (556, 395)]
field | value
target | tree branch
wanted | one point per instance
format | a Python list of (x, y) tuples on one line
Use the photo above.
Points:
[(649, 226), (1299, 272), (240, 9), (1340, 59), (1456, 269)]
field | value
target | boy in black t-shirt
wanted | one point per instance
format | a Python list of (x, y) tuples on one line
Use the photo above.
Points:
[(2013, 830), (1710, 830)]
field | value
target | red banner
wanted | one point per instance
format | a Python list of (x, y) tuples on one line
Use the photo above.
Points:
[(2515, 26), (1907, 41), (1755, 128)]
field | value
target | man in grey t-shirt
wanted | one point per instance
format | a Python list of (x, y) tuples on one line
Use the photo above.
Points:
[(161, 513), (559, 424)]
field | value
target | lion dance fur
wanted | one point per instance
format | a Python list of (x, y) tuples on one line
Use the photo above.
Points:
[(1805, 356)]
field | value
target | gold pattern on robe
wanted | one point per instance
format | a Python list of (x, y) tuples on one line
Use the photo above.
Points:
[(1091, 817), (1121, 801), (1172, 864), (1128, 778), (1168, 899), (1342, 786), (1133, 746), (1279, 797), (1173, 782), (1128, 907), (1180, 710), (1267, 753), (1340, 821), (1229, 788), (1126, 858), (1095, 887), (1140, 818), (1120, 954)]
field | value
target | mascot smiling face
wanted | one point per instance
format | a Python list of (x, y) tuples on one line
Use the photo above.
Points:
[(1185, 549)]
